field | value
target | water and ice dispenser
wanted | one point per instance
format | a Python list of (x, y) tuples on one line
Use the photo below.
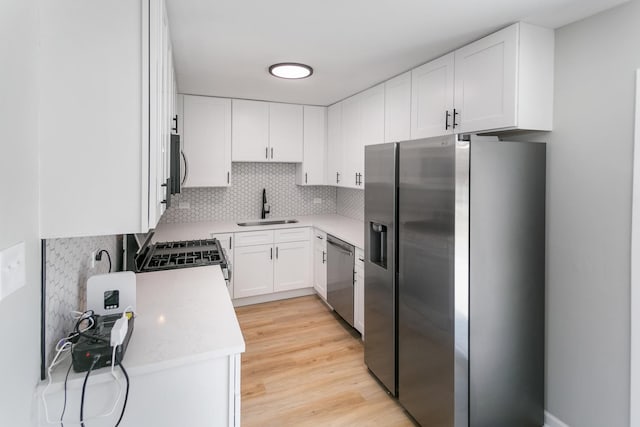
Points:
[(378, 244)]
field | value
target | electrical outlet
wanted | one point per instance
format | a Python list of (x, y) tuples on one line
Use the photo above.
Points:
[(317, 201), (12, 269), (93, 259), (184, 205)]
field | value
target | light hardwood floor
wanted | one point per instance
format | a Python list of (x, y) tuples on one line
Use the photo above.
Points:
[(302, 367)]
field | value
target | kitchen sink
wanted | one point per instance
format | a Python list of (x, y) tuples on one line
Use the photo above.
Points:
[(273, 222)]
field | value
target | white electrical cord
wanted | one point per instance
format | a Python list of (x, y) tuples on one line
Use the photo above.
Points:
[(65, 344)]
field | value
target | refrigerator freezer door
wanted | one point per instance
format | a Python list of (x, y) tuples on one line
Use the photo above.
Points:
[(426, 223), (380, 263)]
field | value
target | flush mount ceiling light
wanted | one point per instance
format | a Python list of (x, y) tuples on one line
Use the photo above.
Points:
[(290, 70)]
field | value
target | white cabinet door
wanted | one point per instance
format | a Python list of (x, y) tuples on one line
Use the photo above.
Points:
[(320, 264), (334, 144), (485, 82), (207, 141), (285, 132), (312, 171), (432, 98), (371, 125), (226, 241), (113, 86), (253, 270), (372, 116), (358, 309), (351, 142), (292, 267), (397, 108), (250, 130)]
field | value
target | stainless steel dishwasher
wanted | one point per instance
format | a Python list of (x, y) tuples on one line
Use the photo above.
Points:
[(340, 258)]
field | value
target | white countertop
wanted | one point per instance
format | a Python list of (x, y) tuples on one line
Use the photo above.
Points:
[(183, 316), (342, 227)]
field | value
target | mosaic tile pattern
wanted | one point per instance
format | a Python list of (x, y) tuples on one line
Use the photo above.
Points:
[(68, 268), (243, 200), (350, 202)]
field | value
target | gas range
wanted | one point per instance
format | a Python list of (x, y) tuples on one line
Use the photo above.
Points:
[(181, 254)]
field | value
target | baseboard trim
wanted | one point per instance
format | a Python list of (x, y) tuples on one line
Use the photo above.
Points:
[(273, 297), (552, 421)]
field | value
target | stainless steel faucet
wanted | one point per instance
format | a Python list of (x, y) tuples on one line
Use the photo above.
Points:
[(265, 206)]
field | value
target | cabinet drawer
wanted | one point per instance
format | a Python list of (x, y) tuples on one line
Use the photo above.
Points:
[(292, 234), (251, 238)]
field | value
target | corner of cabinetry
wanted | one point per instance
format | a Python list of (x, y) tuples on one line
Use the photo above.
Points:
[(536, 57)]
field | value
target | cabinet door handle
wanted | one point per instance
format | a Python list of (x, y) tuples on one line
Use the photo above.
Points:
[(446, 119), (227, 177), (305, 178), (337, 177), (186, 168), (266, 152), (276, 252), (324, 259), (356, 178), (361, 260), (175, 120), (455, 114), (319, 237), (229, 242), (270, 253), (272, 152)]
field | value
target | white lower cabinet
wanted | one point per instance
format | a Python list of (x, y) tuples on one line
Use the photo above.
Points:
[(226, 241), (292, 267), (268, 262), (253, 270), (358, 298), (320, 263)]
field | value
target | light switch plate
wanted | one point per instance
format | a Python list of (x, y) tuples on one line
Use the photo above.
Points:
[(12, 270)]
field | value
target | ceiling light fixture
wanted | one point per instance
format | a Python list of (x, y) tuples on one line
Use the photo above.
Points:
[(290, 70)]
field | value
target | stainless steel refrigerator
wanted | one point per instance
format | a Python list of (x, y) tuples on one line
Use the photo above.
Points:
[(454, 278)]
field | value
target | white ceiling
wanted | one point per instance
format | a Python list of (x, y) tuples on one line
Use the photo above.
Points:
[(224, 48)]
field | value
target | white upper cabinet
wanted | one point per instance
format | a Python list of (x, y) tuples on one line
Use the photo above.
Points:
[(505, 81), (206, 141), (312, 170), (432, 98), (362, 124), (250, 130), (266, 131), (372, 116), (397, 108), (102, 172), (352, 147), (334, 144), (285, 132)]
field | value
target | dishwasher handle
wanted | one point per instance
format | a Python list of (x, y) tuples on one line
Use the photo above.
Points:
[(344, 248)]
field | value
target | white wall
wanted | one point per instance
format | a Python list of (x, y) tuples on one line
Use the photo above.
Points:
[(589, 219), (20, 312)]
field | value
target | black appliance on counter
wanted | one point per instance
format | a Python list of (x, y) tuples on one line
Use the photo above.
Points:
[(142, 256)]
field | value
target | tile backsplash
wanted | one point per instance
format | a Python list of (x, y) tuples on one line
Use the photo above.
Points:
[(243, 199), (350, 202), (68, 266)]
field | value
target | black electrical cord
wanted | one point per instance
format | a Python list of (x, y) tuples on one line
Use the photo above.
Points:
[(126, 393), (84, 386), (64, 405), (99, 257)]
